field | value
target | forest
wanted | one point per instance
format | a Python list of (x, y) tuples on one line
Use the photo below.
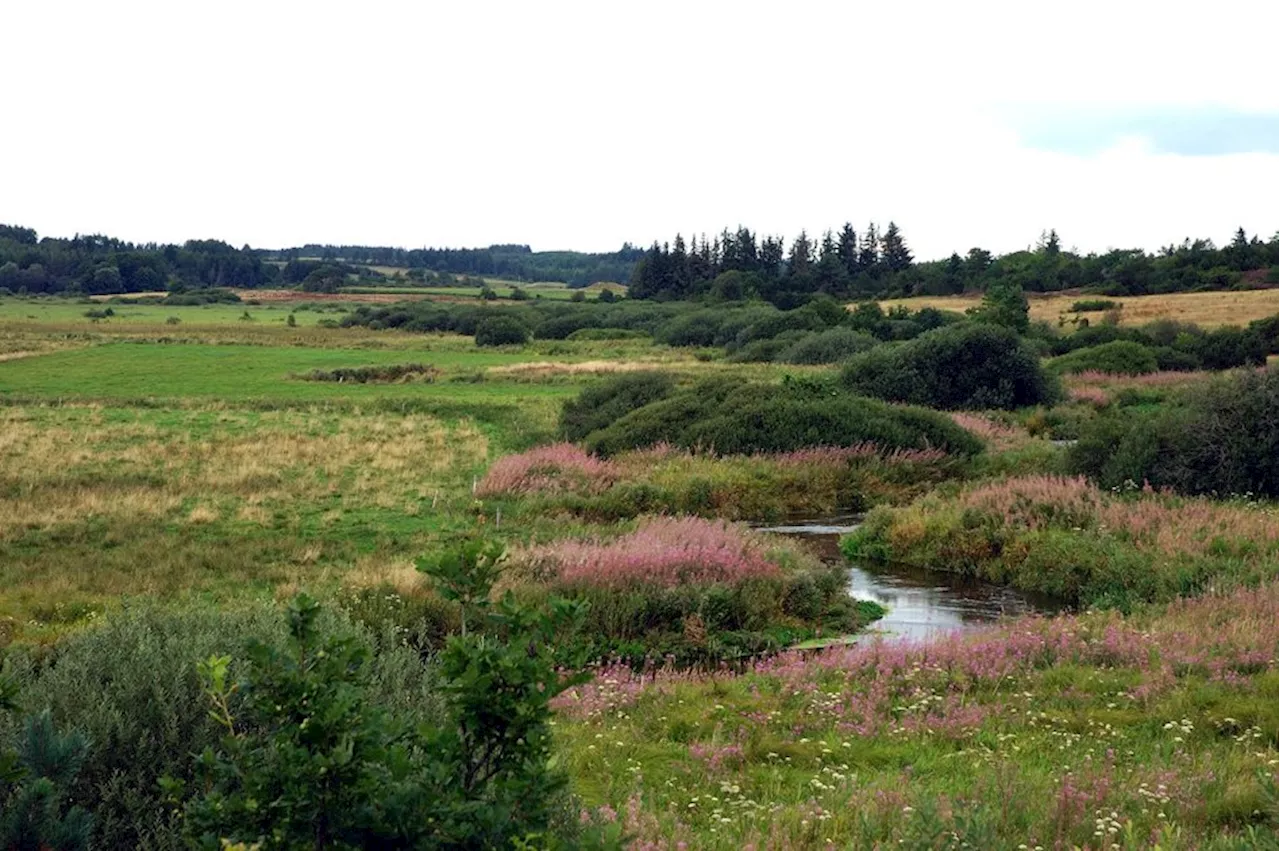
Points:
[(731, 266)]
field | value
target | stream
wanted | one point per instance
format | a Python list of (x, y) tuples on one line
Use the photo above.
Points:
[(922, 603)]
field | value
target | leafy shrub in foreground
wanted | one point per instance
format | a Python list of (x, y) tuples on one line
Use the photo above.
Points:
[(1119, 357), (960, 366), (130, 685), (600, 404), (309, 762)]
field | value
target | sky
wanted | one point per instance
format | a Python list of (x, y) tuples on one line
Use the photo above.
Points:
[(584, 125)]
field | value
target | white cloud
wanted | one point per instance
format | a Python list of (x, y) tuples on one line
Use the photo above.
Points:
[(583, 125)]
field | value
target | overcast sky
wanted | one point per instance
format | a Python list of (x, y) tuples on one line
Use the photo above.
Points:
[(583, 125)]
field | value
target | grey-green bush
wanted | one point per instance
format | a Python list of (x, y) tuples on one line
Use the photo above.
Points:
[(830, 346), (130, 685)]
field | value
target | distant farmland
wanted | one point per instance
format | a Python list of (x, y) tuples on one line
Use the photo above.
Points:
[(1208, 309)]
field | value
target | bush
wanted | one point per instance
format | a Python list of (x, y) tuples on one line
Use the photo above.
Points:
[(131, 686), (309, 761), (734, 417), (501, 331), (596, 334), (1169, 359), (1119, 357), (959, 366), (1217, 438), (831, 346), (194, 298), (601, 404), (1094, 305), (379, 374), (767, 350)]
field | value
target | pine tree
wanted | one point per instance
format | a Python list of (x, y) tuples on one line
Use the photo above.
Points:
[(801, 257), (33, 788), (847, 249), (869, 252), (896, 256)]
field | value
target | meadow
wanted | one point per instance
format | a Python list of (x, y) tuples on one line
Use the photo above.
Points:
[(193, 475)]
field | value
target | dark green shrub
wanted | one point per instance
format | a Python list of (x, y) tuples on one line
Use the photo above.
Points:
[(1174, 360), (607, 333), (35, 781), (765, 351), (501, 331), (1092, 305), (733, 417), (830, 346), (600, 404), (1216, 438), (699, 328), (1119, 357), (959, 366), (379, 374), (1228, 346)]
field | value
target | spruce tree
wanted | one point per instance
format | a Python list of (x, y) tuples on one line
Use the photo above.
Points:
[(896, 256)]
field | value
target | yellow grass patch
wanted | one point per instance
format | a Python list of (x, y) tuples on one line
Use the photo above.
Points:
[(540, 369), (1208, 310)]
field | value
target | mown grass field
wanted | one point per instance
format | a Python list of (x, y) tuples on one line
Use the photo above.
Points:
[(1205, 309)]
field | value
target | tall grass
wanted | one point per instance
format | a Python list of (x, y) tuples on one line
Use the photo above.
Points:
[(664, 551), (1092, 731), (1063, 536)]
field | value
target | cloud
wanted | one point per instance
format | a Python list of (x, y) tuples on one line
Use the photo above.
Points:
[(1182, 130)]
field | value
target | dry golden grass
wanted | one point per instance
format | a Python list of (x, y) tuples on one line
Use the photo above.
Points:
[(543, 369), (1208, 310), (43, 337), (176, 502)]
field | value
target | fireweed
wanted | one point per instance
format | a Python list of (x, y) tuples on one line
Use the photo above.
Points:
[(1065, 537), (763, 486), (1093, 731), (663, 551), (547, 469), (692, 592)]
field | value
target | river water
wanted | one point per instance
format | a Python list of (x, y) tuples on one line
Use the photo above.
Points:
[(922, 603)]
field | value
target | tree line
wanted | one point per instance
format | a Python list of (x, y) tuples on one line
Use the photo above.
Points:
[(510, 261), (878, 264), (737, 264)]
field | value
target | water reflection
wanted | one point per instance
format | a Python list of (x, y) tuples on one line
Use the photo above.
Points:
[(921, 603)]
